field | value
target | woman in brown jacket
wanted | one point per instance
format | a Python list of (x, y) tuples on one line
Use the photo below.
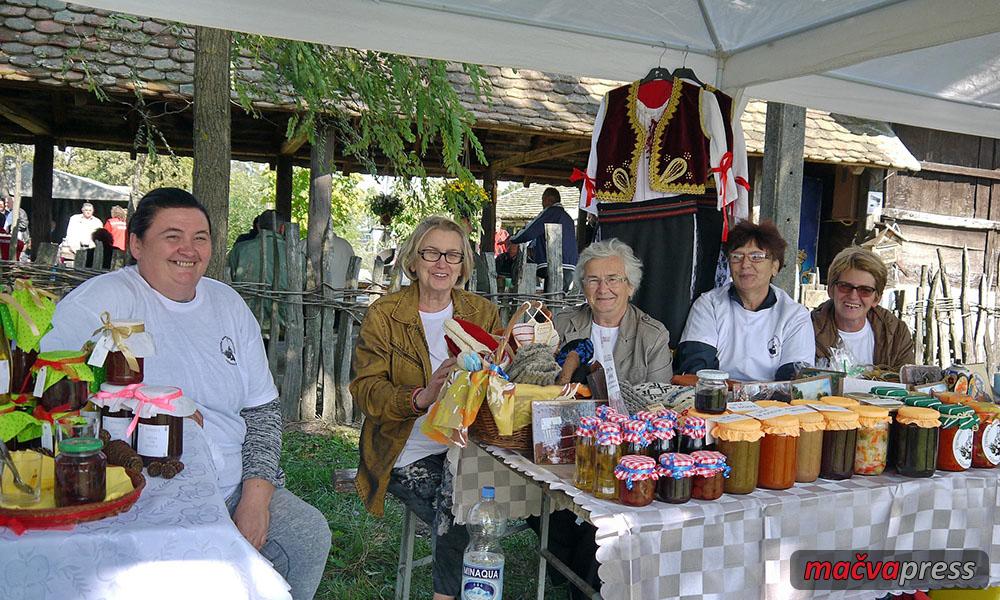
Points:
[(401, 362), (852, 317)]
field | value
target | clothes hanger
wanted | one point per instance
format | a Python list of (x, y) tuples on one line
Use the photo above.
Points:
[(686, 73), (658, 72)]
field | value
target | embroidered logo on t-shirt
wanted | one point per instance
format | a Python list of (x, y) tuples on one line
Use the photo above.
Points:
[(774, 347), (228, 349)]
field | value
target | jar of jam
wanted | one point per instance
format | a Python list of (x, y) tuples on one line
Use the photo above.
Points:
[(635, 439), (710, 471), (160, 431), (986, 441), (778, 452), (607, 453), (67, 376), (958, 426), (585, 455), (872, 450), (126, 343), (809, 451), (80, 472), (738, 438), (674, 485), (603, 411), (840, 440), (711, 392), (116, 404), (916, 436), (119, 372), (842, 401), (691, 434), (20, 369), (645, 415), (637, 477), (664, 438)]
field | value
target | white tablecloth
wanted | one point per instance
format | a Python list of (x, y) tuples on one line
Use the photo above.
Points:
[(739, 547), (177, 542)]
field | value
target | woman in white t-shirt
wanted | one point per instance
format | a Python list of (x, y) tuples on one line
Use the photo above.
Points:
[(401, 363), (853, 321), (749, 328)]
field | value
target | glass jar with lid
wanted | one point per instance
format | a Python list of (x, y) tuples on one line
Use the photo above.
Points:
[(80, 472), (674, 485), (691, 434), (840, 439), (586, 431), (664, 437), (711, 392), (637, 477), (67, 380), (635, 438), (872, 447), (778, 452), (738, 438), (607, 453), (916, 438), (709, 474), (160, 431), (809, 451), (958, 426), (842, 401), (121, 349), (986, 441), (116, 404)]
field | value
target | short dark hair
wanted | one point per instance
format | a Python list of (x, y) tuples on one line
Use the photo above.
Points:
[(160, 198), (551, 193), (765, 235)]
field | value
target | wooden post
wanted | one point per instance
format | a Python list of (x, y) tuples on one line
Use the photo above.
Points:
[(489, 219), (344, 350), (930, 323), (291, 385), (15, 207), (212, 136), (328, 333), (968, 340), (781, 180), (553, 253), (40, 218), (918, 325), (989, 302), (952, 342), (983, 315), (283, 187)]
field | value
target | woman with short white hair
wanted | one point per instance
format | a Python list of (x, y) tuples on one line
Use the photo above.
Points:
[(631, 345)]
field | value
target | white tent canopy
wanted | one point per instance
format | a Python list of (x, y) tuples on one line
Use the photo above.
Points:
[(932, 63)]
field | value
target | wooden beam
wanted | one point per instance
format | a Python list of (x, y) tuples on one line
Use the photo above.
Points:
[(934, 167), (283, 187), (292, 145), (32, 124), (926, 218), (546, 153), (41, 191)]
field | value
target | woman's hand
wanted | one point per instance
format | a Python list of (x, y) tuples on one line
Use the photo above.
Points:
[(429, 394), (253, 515)]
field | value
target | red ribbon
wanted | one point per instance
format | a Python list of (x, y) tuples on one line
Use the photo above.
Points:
[(725, 166), (58, 365), (589, 185), (62, 410), (165, 402)]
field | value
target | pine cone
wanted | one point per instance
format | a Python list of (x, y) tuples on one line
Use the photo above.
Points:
[(121, 454), (104, 436), (155, 468), (169, 468)]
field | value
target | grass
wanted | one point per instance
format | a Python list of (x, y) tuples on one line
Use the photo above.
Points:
[(362, 562)]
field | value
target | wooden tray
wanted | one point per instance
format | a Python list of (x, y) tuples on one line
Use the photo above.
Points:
[(19, 520)]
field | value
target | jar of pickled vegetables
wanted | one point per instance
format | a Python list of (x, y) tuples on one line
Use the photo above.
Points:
[(664, 438), (709, 474), (607, 453), (645, 415), (842, 401), (708, 418), (778, 452), (674, 485), (986, 441), (691, 434), (809, 452), (738, 438), (586, 431), (635, 439), (637, 477), (668, 413), (711, 392), (958, 427), (872, 447), (916, 436), (840, 439)]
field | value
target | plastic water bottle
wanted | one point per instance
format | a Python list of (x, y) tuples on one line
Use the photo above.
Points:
[(482, 566)]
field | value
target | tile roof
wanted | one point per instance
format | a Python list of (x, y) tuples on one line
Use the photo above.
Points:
[(520, 204), (52, 43)]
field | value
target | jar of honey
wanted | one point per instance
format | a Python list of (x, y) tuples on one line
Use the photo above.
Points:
[(674, 485), (986, 441), (958, 427), (709, 474), (778, 452), (916, 439), (607, 453), (840, 440), (738, 438), (637, 477), (586, 431), (872, 447)]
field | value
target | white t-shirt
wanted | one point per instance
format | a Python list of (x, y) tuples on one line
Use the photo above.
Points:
[(751, 345), (419, 445), (860, 343), (79, 231), (210, 347)]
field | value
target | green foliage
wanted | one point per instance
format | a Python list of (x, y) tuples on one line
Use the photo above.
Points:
[(386, 206), (117, 168)]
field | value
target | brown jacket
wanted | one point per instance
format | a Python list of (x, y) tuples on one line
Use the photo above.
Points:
[(391, 360), (893, 340), (641, 354)]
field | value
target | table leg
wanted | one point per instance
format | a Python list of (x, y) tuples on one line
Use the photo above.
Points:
[(545, 556)]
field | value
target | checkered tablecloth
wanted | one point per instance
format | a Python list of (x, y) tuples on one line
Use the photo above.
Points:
[(740, 546)]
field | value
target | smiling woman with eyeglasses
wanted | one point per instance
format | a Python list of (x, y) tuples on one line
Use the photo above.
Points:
[(749, 328), (852, 318)]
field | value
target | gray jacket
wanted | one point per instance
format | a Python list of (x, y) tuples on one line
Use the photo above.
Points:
[(641, 353)]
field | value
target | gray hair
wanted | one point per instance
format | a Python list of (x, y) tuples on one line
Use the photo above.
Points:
[(607, 249), (86, 205), (408, 252)]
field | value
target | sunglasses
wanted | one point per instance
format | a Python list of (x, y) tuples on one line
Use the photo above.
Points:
[(864, 291)]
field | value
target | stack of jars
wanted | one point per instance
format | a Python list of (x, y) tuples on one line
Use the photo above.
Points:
[(637, 476), (916, 441), (958, 426), (676, 471), (839, 444), (872, 446), (708, 475), (778, 452), (739, 440)]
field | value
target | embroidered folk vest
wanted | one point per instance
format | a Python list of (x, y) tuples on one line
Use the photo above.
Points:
[(679, 153)]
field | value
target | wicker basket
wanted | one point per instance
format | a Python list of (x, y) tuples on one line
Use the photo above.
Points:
[(21, 519)]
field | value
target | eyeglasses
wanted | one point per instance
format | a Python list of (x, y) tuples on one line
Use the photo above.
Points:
[(612, 281), (431, 255), (864, 291), (756, 257)]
